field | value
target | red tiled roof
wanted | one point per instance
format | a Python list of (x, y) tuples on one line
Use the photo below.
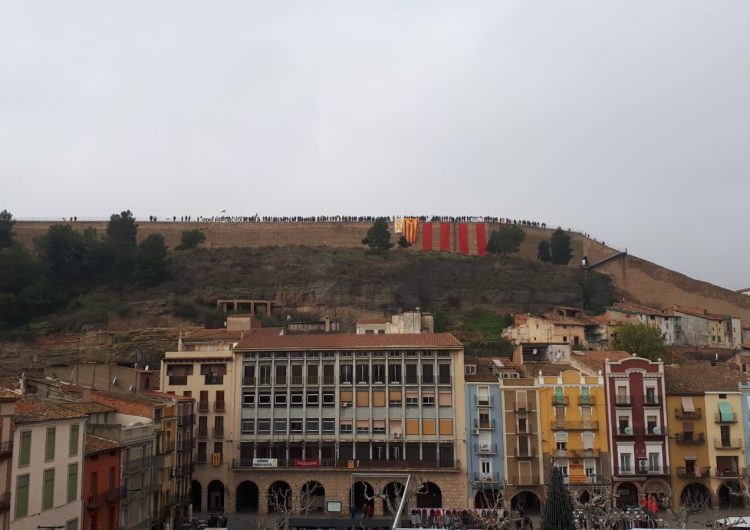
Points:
[(348, 341), (30, 410), (637, 308), (700, 377), (6, 395), (594, 360), (697, 312), (95, 444), (167, 395), (88, 407)]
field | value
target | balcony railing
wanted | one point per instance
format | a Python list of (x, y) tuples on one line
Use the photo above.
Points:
[(643, 470), (487, 478), (444, 380), (485, 449), (203, 406), (201, 458), (651, 400), (523, 480), (100, 499), (351, 463), (248, 381), (623, 401), (4, 502), (726, 418), (218, 432), (280, 380), (329, 380), (6, 449), (657, 470), (703, 472), (683, 415), (591, 425), (583, 400), (579, 479), (219, 405), (525, 452), (177, 380), (489, 425), (586, 453), (522, 407), (727, 443), (214, 379), (559, 401), (731, 473), (202, 432), (689, 438)]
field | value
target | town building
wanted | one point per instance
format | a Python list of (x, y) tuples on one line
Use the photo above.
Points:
[(101, 483), (407, 322), (47, 466), (630, 313), (7, 429), (637, 428), (112, 377), (697, 327), (573, 416), (521, 428), (317, 408), (563, 325), (485, 448), (705, 433)]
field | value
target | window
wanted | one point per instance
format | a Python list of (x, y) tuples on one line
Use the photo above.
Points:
[(523, 425), (248, 426), (280, 399), (264, 400), (394, 373), (329, 426), (73, 443), (279, 426), (264, 426), (412, 398), (378, 426), (297, 399), (411, 374), (561, 441), (48, 489), (280, 374), (22, 496), (311, 426), (345, 398), (428, 399), (363, 426), (312, 374), (72, 482), (72, 524), (345, 374), (346, 427), (563, 466), (625, 463), (652, 424), (248, 399), (654, 461), (378, 374), (428, 375), (49, 446), (623, 425), (444, 374), (394, 398), (446, 427), (363, 374), (24, 457), (313, 399), (295, 425), (363, 398), (378, 398), (329, 399), (470, 369), (264, 374)]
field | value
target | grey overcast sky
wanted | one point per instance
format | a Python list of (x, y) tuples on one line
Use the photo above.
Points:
[(629, 119)]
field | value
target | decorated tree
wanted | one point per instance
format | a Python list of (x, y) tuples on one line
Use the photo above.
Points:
[(558, 510)]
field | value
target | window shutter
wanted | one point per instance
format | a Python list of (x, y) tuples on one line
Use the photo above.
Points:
[(74, 434), (72, 482), (24, 458), (48, 489), (22, 496)]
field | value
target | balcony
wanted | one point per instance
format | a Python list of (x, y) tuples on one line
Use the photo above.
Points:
[(690, 416), (584, 400), (280, 380), (329, 380), (484, 425), (4, 502), (487, 478), (730, 473), (185, 420), (525, 452), (703, 472), (689, 438), (485, 449), (656, 470), (6, 449), (203, 406), (579, 479), (177, 380), (586, 453), (201, 458), (575, 425), (100, 499), (559, 401), (523, 480), (726, 418), (428, 379), (522, 407), (728, 443), (214, 379), (352, 463), (218, 432), (484, 401), (219, 405), (444, 380), (165, 448), (202, 432), (248, 381), (623, 401), (651, 400)]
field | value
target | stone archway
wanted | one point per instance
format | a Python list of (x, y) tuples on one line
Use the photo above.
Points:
[(392, 494), (196, 495), (247, 496), (313, 497), (361, 494), (215, 496), (725, 497), (429, 496), (279, 496), (696, 494), (626, 494), (528, 501)]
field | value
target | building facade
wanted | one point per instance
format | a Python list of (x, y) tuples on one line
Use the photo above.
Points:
[(7, 429), (101, 483), (637, 428)]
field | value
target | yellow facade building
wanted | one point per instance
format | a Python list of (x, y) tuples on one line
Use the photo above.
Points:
[(574, 426)]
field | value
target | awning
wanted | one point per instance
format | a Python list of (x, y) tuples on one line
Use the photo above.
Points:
[(725, 411), (687, 404)]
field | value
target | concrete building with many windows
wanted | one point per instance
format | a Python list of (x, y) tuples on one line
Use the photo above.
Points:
[(47, 466), (313, 409)]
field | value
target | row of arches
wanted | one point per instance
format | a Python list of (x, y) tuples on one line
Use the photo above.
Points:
[(362, 494)]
